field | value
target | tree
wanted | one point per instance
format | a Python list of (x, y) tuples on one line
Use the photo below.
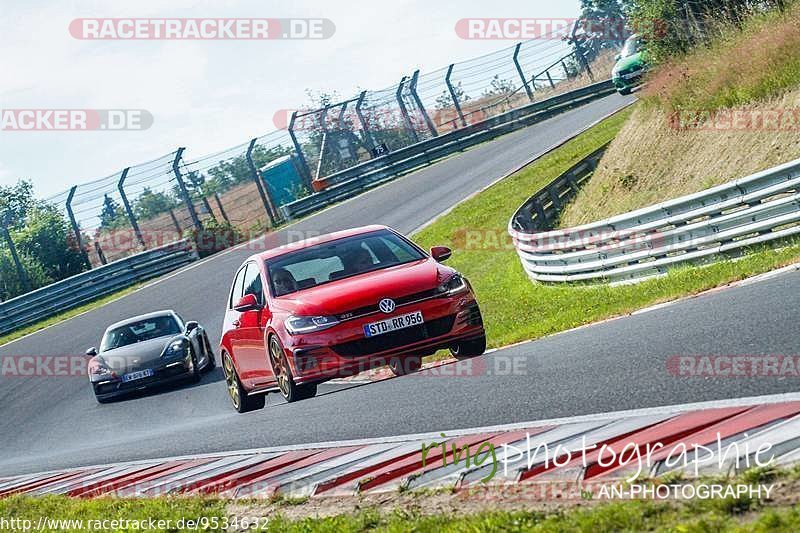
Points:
[(150, 204), (111, 215), (15, 202), (47, 238), (10, 284)]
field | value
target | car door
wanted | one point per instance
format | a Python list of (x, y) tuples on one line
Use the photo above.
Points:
[(251, 351)]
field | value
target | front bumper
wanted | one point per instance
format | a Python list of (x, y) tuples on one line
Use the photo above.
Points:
[(170, 372), (628, 80), (345, 351)]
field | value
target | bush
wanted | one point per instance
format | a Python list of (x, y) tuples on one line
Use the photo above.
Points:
[(215, 236), (10, 284)]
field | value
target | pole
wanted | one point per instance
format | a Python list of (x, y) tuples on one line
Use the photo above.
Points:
[(185, 193), (522, 73), (404, 111), (21, 274), (413, 88), (579, 51), (75, 228), (221, 209), (299, 151), (368, 139), (128, 208), (453, 95), (265, 198)]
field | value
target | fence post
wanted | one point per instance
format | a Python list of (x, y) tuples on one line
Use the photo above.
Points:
[(23, 276), (579, 51), (299, 151), (404, 111), (413, 88), (453, 95), (522, 73), (265, 198), (75, 228), (347, 132), (221, 209), (128, 209), (368, 140), (550, 79), (185, 193)]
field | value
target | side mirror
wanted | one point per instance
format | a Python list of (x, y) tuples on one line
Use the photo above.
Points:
[(91, 352), (248, 302), (441, 253), (191, 326)]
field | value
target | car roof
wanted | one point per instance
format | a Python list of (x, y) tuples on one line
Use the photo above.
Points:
[(313, 241), (154, 314)]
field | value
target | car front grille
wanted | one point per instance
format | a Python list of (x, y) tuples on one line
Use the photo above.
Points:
[(396, 339), (403, 300)]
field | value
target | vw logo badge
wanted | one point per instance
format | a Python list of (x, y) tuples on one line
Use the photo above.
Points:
[(386, 305)]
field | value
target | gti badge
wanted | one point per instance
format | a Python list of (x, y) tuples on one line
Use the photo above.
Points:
[(386, 305)]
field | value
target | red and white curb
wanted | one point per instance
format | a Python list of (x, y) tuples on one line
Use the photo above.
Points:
[(741, 426)]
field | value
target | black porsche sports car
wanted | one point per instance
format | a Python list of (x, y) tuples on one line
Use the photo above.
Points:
[(148, 350)]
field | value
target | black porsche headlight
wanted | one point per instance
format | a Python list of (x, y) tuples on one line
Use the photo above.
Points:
[(176, 348)]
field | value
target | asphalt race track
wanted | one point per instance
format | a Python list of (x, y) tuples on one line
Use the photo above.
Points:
[(54, 422)]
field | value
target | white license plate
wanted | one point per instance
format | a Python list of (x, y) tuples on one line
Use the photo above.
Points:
[(393, 324), (133, 376)]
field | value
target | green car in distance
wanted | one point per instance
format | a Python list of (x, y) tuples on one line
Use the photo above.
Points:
[(631, 65)]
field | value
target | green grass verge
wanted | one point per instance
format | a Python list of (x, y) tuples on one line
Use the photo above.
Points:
[(515, 309), (32, 328)]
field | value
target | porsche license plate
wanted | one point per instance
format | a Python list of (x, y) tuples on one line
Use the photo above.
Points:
[(141, 374), (392, 324)]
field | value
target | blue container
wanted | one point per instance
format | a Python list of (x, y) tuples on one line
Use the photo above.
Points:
[(283, 180)]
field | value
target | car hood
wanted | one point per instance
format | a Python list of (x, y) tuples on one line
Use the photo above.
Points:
[(635, 60), (136, 356), (366, 289)]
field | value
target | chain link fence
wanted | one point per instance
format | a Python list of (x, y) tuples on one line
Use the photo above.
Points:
[(226, 197)]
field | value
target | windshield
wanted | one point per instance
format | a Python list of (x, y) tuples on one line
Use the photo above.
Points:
[(339, 259), (142, 330), (631, 47)]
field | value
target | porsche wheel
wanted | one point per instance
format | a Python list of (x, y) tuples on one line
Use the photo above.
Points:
[(290, 391), (238, 395), (194, 372)]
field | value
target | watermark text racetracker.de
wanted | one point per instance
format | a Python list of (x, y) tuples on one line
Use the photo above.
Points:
[(203, 29), (523, 29), (734, 366), (75, 119)]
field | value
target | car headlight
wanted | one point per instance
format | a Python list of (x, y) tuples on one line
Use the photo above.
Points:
[(453, 285), (175, 348), (96, 368), (307, 324)]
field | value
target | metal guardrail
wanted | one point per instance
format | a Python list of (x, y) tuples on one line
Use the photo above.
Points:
[(76, 290), (359, 178), (644, 243)]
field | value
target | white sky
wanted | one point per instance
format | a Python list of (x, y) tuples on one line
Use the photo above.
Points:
[(209, 95)]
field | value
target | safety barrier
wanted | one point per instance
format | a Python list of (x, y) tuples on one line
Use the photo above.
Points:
[(361, 177), (76, 290), (646, 242)]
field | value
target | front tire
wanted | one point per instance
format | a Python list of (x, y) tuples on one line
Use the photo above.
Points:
[(195, 375), (212, 362), (290, 391), (401, 366), (238, 395), (467, 349)]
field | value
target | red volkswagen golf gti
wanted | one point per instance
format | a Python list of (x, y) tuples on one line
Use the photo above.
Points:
[(339, 304)]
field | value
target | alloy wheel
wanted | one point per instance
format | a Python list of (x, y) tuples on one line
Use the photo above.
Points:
[(231, 381)]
